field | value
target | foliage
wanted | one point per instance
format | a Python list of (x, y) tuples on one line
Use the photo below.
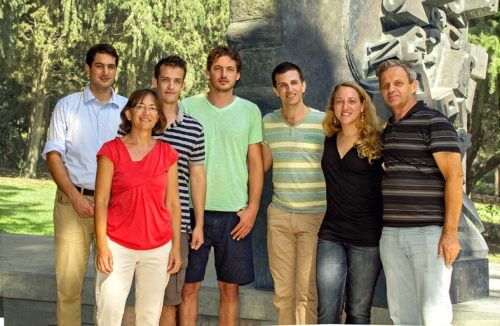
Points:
[(484, 126), (484, 32), (488, 212), (43, 44)]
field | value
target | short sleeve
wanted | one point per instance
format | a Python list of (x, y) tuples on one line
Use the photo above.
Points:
[(56, 135), (255, 135), (443, 137), (265, 141), (198, 153), (110, 150), (172, 155)]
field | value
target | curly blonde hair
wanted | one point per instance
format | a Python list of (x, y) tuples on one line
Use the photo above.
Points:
[(369, 143)]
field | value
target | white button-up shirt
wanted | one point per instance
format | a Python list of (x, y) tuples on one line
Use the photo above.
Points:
[(80, 124)]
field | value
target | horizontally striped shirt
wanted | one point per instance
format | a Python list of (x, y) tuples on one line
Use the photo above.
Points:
[(299, 184), (186, 135), (413, 186)]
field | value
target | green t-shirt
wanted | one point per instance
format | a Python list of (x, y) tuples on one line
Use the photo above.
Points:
[(228, 132), (299, 184)]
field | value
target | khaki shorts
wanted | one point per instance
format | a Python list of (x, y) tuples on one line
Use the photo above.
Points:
[(173, 292)]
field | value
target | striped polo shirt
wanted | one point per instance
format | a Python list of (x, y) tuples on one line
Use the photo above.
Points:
[(413, 186), (299, 184), (186, 135)]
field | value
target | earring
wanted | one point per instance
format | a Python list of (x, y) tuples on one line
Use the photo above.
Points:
[(335, 122), (363, 117)]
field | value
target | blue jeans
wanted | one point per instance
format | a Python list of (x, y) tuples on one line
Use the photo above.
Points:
[(344, 269), (418, 281)]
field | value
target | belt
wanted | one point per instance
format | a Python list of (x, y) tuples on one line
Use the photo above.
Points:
[(218, 212), (85, 192)]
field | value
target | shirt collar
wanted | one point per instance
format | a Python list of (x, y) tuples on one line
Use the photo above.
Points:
[(89, 96), (417, 107), (179, 118)]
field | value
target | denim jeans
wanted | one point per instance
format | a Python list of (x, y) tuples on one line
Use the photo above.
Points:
[(418, 282), (345, 270)]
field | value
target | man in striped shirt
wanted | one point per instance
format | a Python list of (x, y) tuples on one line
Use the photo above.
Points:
[(422, 193), (186, 135), (293, 140)]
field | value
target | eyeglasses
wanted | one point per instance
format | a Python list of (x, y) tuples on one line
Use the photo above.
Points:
[(144, 108)]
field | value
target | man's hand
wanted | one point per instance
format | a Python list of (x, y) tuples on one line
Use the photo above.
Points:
[(247, 219), (83, 206), (448, 247), (174, 260), (197, 237), (104, 260)]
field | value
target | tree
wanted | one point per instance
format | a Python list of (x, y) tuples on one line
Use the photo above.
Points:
[(484, 122), (43, 43)]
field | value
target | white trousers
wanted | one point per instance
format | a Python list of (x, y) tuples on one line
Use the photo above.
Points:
[(151, 278)]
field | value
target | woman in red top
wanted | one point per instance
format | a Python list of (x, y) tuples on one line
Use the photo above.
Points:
[(137, 215)]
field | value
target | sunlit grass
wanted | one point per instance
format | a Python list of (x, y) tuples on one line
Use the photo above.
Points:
[(26, 206)]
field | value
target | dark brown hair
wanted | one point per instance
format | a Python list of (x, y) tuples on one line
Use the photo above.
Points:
[(171, 61), (220, 51), (135, 98), (100, 48), (285, 67)]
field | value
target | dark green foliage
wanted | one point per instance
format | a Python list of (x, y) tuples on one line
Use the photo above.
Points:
[(43, 43)]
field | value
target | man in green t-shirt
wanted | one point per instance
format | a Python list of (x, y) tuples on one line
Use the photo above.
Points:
[(234, 173), (293, 146)]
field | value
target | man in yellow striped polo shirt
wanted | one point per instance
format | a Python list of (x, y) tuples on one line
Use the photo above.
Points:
[(293, 146)]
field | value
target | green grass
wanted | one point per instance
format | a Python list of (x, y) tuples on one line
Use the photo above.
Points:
[(26, 206)]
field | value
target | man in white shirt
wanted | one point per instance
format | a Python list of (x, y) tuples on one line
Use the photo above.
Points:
[(80, 124)]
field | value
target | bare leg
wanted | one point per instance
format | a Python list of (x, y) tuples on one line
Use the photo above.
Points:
[(228, 310), (188, 309), (168, 316)]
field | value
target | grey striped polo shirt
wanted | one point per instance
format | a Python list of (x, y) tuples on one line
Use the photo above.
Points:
[(413, 186)]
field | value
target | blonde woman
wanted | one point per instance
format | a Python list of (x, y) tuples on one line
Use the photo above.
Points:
[(348, 262)]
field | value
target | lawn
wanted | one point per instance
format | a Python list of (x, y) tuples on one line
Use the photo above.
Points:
[(26, 208)]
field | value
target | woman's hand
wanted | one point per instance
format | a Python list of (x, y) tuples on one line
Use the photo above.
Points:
[(104, 260), (174, 260)]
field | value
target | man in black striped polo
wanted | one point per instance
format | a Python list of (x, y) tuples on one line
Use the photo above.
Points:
[(422, 192), (186, 135)]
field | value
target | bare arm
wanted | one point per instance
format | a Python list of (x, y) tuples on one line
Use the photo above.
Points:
[(267, 157), (173, 205), (255, 183), (198, 183), (451, 167), (104, 257), (55, 165)]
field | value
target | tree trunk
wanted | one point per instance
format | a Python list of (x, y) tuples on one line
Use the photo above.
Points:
[(476, 132), (38, 125), (497, 181)]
